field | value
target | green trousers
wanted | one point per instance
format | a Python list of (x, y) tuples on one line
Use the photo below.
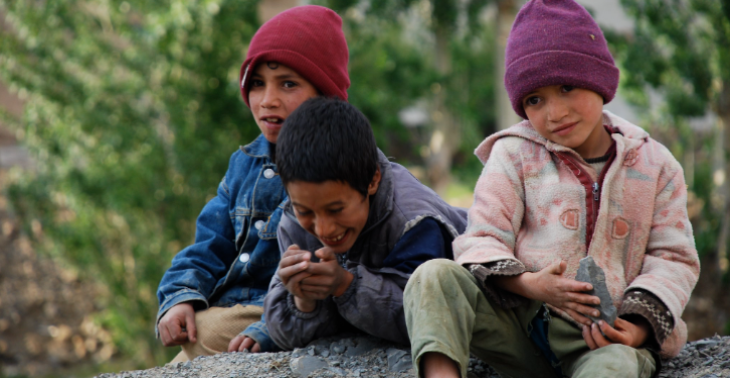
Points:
[(446, 312)]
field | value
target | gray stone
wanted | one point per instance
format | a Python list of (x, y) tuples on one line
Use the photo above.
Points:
[(399, 360), (706, 344), (338, 371), (363, 346), (298, 352), (337, 348), (589, 272), (303, 366)]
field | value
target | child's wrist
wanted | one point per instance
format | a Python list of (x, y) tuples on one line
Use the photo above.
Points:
[(305, 305), (518, 284), (346, 282)]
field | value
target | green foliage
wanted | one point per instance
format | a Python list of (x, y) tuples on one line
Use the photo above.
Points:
[(133, 109), (682, 49), (408, 70)]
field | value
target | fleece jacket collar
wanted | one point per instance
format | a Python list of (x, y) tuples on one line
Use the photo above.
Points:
[(633, 137)]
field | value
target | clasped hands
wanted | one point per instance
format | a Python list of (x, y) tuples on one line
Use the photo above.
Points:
[(312, 281), (548, 285)]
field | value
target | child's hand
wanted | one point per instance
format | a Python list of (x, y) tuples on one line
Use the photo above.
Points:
[(292, 270), (177, 326), (327, 276), (549, 285), (241, 342), (623, 332)]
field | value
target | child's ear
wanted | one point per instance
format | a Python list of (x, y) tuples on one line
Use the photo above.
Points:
[(375, 183)]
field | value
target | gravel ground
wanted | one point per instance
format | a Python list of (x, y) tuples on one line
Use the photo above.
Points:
[(368, 357)]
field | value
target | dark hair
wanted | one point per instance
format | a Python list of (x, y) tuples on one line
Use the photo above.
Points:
[(327, 139)]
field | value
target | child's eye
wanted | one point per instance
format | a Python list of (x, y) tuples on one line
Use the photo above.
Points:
[(289, 84), (303, 213), (335, 211), (257, 83), (567, 88), (532, 100)]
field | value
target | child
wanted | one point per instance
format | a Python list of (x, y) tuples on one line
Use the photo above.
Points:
[(215, 288), (354, 229), (571, 181)]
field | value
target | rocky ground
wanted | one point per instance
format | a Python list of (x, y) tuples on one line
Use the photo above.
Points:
[(367, 357)]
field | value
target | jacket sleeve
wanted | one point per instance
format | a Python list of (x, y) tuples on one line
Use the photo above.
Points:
[(288, 326), (671, 266), (487, 246), (196, 269), (372, 303), (496, 216), (260, 333)]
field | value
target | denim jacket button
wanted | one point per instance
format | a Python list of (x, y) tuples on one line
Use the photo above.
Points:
[(244, 258), (269, 173), (259, 224)]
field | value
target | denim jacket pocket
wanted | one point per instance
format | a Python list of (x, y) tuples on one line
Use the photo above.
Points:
[(268, 231)]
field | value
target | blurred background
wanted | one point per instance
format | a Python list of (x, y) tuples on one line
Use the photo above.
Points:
[(117, 119)]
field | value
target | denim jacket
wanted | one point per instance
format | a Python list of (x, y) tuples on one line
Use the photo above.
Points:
[(236, 250)]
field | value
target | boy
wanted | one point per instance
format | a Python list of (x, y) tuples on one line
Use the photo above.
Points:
[(354, 229), (571, 181), (215, 288)]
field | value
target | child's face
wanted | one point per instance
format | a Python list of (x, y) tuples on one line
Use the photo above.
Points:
[(569, 116), (332, 211), (276, 90)]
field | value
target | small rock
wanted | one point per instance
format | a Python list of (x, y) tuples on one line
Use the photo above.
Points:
[(589, 272), (364, 345), (399, 360), (303, 366), (705, 344), (298, 352), (338, 371), (337, 348)]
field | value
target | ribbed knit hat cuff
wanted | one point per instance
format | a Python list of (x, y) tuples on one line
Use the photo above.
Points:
[(565, 68), (299, 63)]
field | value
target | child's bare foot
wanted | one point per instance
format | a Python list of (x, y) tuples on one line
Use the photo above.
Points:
[(438, 365)]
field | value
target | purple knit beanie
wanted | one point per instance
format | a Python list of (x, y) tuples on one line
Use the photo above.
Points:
[(556, 42), (307, 39)]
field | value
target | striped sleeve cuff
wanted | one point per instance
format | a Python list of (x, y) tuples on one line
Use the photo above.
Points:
[(648, 306), (502, 298)]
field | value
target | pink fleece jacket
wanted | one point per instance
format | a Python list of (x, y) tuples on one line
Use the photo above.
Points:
[(530, 206)]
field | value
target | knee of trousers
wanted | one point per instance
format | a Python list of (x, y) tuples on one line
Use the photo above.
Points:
[(437, 269), (621, 359), (436, 272)]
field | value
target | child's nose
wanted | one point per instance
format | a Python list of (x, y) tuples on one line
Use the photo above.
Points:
[(270, 99), (324, 227), (557, 109)]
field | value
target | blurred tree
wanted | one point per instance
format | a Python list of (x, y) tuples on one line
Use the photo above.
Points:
[(132, 110), (682, 49), (458, 52), (506, 14)]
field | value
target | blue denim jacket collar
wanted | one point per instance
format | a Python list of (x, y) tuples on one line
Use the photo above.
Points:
[(259, 148)]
